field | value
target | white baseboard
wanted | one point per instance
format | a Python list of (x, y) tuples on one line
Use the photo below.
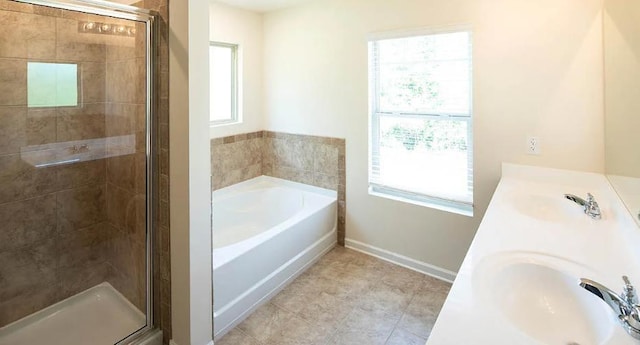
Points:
[(401, 260)]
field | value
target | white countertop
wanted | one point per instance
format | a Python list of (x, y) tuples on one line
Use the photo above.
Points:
[(528, 218)]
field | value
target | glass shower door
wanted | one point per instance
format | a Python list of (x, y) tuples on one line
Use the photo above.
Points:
[(75, 176)]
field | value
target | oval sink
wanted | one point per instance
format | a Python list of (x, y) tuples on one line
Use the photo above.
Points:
[(543, 302), (547, 208)]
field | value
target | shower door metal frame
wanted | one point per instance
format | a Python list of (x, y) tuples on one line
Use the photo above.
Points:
[(150, 19)]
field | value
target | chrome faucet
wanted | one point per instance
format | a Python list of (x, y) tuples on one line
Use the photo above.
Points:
[(591, 207), (624, 305)]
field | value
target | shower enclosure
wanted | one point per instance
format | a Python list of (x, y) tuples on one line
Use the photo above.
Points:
[(76, 172)]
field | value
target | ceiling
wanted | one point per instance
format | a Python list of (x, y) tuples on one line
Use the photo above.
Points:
[(263, 5)]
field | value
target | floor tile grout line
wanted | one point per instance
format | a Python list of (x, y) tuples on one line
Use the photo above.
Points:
[(395, 326), (355, 286), (246, 335)]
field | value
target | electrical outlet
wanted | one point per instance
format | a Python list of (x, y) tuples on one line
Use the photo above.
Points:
[(533, 145)]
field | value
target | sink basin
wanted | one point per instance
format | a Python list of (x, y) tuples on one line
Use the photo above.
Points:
[(543, 301), (547, 208)]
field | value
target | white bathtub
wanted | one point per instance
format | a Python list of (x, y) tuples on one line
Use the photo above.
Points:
[(266, 231)]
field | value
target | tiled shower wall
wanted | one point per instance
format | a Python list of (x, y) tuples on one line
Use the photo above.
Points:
[(317, 161), (66, 228), (161, 235), (53, 235), (125, 117)]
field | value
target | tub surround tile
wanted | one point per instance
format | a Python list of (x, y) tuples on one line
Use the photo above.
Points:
[(325, 181), (313, 160), (292, 174), (345, 299), (326, 159)]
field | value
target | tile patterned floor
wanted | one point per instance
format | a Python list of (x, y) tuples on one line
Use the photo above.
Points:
[(347, 298)]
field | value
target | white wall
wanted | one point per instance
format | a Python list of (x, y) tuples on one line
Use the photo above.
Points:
[(190, 172), (242, 27), (622, 86), (537, 71)]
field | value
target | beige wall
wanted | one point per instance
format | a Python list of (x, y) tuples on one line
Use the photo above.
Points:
[(244, 28), (622, 86), (190, 173), (537, 71)]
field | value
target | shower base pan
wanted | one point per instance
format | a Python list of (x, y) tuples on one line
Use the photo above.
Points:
[(97, 316)]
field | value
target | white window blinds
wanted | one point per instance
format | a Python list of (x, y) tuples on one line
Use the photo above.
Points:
[(421, 129)]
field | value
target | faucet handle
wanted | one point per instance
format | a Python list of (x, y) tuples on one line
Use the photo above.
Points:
[(591, 201), (629, 293)]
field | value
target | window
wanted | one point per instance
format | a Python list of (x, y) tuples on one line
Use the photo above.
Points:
[(52, 84), (223, 59), (421, 123)]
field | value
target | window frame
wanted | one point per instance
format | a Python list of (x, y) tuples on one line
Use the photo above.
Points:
[(235, 118), (375, 114)]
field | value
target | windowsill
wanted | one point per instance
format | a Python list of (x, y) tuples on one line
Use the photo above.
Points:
[(451, 207), (223, 124)]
